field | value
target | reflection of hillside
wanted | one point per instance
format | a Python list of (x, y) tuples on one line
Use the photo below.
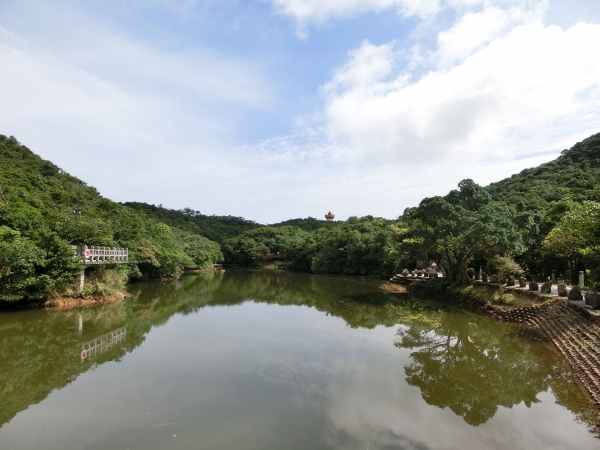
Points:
[(473, 365), (40, 350), (469, 364), (359, 303)]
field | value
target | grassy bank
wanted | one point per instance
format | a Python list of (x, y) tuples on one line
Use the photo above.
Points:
[(480, 297)]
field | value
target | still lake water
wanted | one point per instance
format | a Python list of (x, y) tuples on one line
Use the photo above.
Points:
[(275, 360)]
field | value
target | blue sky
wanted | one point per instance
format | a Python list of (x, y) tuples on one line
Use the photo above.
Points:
[(275, 109)]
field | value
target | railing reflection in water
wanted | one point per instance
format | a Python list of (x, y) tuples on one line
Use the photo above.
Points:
[(104, 342)]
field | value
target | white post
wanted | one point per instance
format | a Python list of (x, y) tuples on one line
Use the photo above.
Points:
[(81, 280), (581, 279)]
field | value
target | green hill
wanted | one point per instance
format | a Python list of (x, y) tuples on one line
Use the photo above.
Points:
[(215, 228), (549, 191), (574, 175), (38, 227), (308, 224)]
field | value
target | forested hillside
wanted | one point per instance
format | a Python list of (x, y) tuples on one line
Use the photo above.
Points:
[(215, 228), (545, 218), (38, 227), (551, 192), (542, 219), (574, 175), (308, 224)]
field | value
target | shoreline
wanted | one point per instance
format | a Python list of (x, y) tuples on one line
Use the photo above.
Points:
[(202, 271), (63, 302)]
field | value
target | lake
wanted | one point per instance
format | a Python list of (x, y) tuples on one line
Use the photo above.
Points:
[(276, 360)]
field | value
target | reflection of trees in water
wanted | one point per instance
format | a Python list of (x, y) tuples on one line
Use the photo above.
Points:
[(473, 365), (40, 350), (358, 302), (467, 363)]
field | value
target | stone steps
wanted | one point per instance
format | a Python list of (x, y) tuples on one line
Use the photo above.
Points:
[(577, 341)]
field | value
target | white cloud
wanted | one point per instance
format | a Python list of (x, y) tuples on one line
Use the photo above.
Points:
[(316, 11), (136, 122), (306, 12), (152, 119), (525, 84), (321, 10), (474, 30)]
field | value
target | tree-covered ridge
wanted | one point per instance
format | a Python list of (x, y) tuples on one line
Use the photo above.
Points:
[(37, 229), (308, 224), (358, 246), (574, 175), (215, 228), (549, 193)]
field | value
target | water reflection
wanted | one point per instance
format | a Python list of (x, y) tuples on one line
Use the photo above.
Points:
[(103, 343), (473, 368), (350, 383)]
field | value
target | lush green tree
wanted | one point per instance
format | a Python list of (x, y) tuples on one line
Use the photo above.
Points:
[(31, 269), (464, 224), (360, 246), (251, 247), (506, 265), (202, 251), (19, 260), (37, 201), (576, 238)]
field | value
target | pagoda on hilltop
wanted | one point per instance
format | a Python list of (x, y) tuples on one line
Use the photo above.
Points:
[(329, 216)]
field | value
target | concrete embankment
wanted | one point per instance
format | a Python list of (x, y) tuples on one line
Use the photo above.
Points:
[(575, 334)]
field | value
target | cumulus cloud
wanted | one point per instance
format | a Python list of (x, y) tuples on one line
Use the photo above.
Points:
[(524, 84)]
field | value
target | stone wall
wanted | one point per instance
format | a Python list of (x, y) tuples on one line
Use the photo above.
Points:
[(574, 333)]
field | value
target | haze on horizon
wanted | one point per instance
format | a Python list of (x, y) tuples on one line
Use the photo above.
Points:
[(277, 109)]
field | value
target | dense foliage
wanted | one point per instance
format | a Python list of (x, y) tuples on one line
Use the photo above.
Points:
[(255, 246), (548, 192), (37, 229), (308, 224), (358, 246), (542, 219), (464, 225), (215, 228)]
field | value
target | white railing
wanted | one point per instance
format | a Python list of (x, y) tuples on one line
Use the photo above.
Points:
[(99, 255)]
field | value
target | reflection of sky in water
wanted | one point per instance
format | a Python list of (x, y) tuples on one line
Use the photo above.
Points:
[(258, 376)]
